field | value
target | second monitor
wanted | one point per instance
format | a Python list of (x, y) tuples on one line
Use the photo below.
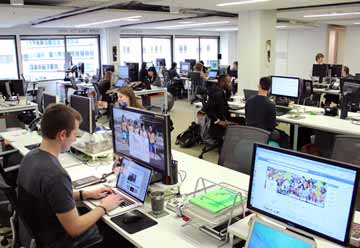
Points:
[(285, 86), (85, 106)]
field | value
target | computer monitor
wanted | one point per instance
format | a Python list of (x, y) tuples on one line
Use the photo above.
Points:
[(81, 68), (160, 62), (133, 71), (12, 87), (123, 72), (85, 106), (212, 74), (357, 76), (106, 68), (192, 63), (185, 67), (214, 65), (336, 71), (143, 136), (120, 83), (306, 193), (149, 64), (320, 71), (350, 90), (48, 99), (285, 86), (158, 69)]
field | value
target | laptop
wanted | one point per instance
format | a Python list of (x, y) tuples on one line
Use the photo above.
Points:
[(132, 184), (264, 234), (212, 74), (120, 83), (249, 93)]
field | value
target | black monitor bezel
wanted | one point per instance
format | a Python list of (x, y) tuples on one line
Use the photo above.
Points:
[(350, 80), (92, 121), (295, 225), (291, 97), (337, 66), (326, 66), (182, 63), (166, 135)]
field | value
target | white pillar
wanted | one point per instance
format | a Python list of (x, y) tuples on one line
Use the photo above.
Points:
[(256, 40)]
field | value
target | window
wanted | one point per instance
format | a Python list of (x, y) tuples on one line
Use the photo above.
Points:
[(130, 50), (186, 48), (87, 52), (44, 57), (32, 56), (8, 61), (208, 50), (157, 48)]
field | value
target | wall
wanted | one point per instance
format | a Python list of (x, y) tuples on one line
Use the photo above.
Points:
[(352, 49), (296, 50), (228, 47)]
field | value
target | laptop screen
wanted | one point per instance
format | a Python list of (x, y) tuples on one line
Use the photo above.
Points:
[(212, 74), (265, 236), (120, 83), (134, 179)]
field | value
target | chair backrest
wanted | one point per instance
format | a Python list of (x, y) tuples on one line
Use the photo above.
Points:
[(39, 98), (12, 197), (97, 90), (195, 77), (167, 78), (236, 152), (346, 149)]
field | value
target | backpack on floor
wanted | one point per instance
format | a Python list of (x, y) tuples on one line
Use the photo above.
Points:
[(190, 137)]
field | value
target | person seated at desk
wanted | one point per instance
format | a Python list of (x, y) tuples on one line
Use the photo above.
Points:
[(198, 67), (143, 72), (105, 83), (204, 69), (346, 73), (45, 191), (234, 67), (173, 72), (319, 59), (260, 111), (217, 108), (125, 95), (153, 77)]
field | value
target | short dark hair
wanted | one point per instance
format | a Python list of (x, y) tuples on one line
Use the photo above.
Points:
[(346, 70), (265, 83), (58, 117), (319, 56)]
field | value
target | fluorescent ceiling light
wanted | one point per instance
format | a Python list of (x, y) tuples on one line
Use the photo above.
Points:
[(241, 2), (127, 19), (226, 29), (193, 25), (281, 26), (185, 22), (332, 14), (17, 2), (357, 23)]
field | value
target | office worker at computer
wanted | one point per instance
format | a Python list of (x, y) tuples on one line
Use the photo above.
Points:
[(173, 72), (233, 67), (105, 83), (198, 67), (346, 72), (217, 108), (260, 112), (126, 96), (143, 72), (45, 191), (153, 77), (204, 69)]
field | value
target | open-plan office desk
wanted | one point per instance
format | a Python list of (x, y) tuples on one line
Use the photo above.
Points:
[(169, 231)]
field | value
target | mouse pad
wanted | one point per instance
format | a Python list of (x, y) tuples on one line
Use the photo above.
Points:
[(142, 224)]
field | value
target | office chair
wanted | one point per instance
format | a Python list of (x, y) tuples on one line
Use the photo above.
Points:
[(346, 149), (198, 92), (307, 93), (206, 139), (236, 152)]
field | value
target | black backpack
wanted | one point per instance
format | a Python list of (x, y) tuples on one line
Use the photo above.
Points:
[(190, 137)]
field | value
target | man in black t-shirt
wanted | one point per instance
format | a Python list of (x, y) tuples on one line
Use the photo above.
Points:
[(260, 112), (45, 192)]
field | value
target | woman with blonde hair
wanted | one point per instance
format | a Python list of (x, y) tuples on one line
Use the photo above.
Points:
[(126, 96)]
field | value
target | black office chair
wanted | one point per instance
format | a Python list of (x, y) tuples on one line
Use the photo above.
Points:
[(346, 149), (236, 152), (307, 93), (198, 92)]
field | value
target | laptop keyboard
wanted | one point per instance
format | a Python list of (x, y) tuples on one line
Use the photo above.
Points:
[(125, 203), (282, 111)]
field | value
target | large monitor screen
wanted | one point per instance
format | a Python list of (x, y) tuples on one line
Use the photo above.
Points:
[(285, 86), (141, 135), (312, 194), (184, 67), (123, 71)]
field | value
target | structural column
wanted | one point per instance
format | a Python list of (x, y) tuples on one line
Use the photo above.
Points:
[(256, 47)]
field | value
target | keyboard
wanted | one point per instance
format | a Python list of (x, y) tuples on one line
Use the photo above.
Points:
[(126, 203), (33, 146), (282, 111)]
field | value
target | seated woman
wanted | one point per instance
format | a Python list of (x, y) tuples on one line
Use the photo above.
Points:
[(198, 67), (105, 83), (126, 96), (153, 77)]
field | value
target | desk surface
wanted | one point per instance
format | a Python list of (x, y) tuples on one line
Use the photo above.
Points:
[(168, 231)]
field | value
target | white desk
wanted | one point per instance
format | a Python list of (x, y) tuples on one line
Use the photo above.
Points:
[(154, 90), (326, 91), (168, 231), (22, 106)]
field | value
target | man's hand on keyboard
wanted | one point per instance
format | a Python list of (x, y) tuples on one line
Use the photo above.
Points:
[(112, 201), (99, 193)]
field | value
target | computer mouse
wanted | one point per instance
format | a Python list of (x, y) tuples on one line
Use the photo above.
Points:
[(131, 217)]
